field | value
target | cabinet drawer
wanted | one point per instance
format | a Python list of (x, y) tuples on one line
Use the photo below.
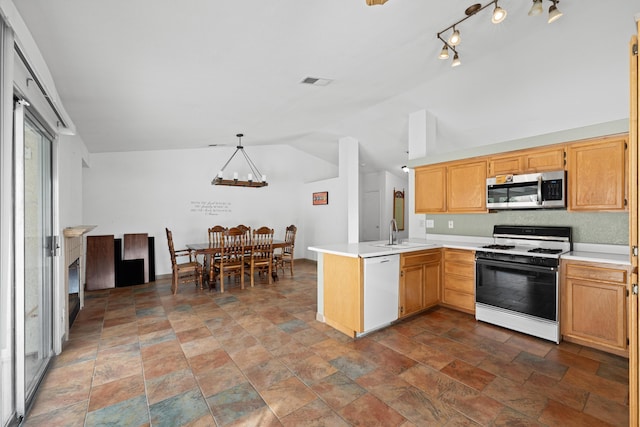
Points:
[(459, 299), (596, 273), (456, 255), (422, 257), (460, 269), (458, 283)]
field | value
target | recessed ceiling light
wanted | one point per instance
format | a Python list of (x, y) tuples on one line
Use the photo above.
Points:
[(316, 81)]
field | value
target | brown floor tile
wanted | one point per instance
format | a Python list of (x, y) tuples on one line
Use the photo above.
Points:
[(171, 384), (522, 398), (385, 385), (556, 414), (72, 415), (383, 356), (478, 407), (468, 374), (314, 414), (368, 410), (422, 409), (338, 390), (592, 383), (221, 378), (312, 369), (287, 396), (513, 371), (559, 391), (572, 359), (432, 382), (199, 346), (160, 366), (208, 361), (266, 374), (606, 410), (116, 368), (547, 367), (531, 345), (510, 418), (116, 391)]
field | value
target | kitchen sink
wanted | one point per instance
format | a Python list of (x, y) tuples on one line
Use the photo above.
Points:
[(403, 245)]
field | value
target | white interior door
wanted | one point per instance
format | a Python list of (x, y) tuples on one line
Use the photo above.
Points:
[(371, 216)]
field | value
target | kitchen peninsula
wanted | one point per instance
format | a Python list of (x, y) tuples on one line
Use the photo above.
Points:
[(368, 285)]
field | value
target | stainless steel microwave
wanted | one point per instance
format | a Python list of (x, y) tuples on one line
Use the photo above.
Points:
[(528, 191)]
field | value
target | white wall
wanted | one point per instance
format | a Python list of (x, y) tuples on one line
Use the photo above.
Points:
[(325, 224), (144, 192)]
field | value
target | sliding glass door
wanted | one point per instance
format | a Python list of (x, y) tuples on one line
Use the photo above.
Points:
[(34, 287)]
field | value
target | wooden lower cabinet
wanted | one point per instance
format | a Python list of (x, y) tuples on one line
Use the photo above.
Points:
[(459, 283), (343, 293), (594, 305), (420, 274)]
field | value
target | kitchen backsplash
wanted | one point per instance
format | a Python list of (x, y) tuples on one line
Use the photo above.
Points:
[(591, 227)]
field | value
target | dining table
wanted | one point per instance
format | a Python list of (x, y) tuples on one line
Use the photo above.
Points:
[(208, 250)]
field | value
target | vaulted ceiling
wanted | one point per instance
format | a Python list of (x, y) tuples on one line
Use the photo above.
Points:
[(162, 74)]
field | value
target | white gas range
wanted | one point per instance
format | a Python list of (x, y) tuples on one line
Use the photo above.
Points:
[(517, 279)]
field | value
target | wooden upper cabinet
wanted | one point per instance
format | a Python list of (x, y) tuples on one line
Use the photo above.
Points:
[(528, 161), (505, 165), (466, 185), (431, 189), (597, 175)]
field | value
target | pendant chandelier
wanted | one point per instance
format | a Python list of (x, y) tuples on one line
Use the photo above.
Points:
[(374, 2), (254, 178)]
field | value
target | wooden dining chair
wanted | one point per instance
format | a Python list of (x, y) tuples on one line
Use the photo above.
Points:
[(285, 255), (261, 258), (215, 234), (186, 271), (232, 254)]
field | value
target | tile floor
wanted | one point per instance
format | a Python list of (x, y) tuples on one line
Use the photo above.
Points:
[(257, 357)]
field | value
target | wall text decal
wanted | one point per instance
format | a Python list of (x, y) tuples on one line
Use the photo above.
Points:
[(210, 208)]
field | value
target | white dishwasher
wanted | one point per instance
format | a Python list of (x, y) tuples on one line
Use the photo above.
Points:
[(381, 283)]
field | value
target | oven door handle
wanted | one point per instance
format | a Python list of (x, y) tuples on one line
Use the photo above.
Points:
[(517, 266)]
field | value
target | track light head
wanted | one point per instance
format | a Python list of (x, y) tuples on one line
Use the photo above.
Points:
[(455, 39), (536, 9), (444, 53), (554, 13), (456, 60), (498, 14)]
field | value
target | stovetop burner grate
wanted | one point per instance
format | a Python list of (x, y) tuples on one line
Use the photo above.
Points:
[(545, 251), (503, 247)]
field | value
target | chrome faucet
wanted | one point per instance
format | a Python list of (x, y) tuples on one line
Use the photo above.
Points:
[(393, 230)]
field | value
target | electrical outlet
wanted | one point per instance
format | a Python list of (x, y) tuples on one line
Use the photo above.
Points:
[(430, 223), (450, 224)]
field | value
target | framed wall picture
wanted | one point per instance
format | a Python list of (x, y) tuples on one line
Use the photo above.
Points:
[(321, 198)]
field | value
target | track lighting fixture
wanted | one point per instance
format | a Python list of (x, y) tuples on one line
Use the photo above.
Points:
[(444, 53), (498, 15), (456, 60), (536, 9), (455, 39), (554, 12)]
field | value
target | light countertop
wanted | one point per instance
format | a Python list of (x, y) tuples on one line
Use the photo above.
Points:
[(612, 254)]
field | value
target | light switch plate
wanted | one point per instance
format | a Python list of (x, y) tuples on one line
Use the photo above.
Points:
[(450, 224)]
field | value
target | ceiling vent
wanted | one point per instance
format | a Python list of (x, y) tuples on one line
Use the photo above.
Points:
[(315, 81)]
